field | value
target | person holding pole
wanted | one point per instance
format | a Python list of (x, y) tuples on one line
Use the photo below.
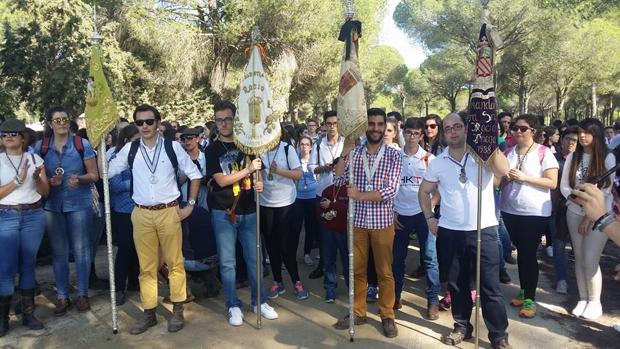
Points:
[(231, 199), (156, 217), (376, 169), (453, 173)]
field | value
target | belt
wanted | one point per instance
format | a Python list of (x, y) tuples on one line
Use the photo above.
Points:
[(159, 206), (22, 207)]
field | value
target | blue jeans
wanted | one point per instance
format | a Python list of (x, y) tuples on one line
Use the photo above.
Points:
[(428, 251), (21, 233), (226, 235), (559, 251), (334, 242), (70, 230), (97, 230)]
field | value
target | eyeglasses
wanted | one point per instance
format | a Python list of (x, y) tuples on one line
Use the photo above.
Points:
[(571, 140), (331, 124), (456, 127), (412, 134), (523, 129), (8, 134), (61, 120), (304, 145), (431, 126), (149, 122), (228, 120), (313, 125), (184, 138)]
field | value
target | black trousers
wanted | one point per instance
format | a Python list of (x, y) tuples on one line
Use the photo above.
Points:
[(305, 216), (281, 239), (458, 254), (525, 233), (126, 265)]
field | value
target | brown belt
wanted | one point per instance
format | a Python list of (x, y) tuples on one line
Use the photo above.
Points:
[(22, 207), (159, 206)]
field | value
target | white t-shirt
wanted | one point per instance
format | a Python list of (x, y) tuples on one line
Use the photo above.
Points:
[(280, 191), (565, 188), (27, 192), (413, 168), (524, 199), (459, 206), (326, 155)]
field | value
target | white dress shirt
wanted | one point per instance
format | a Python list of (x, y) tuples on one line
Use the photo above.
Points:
[(328, 153), (165, 190)]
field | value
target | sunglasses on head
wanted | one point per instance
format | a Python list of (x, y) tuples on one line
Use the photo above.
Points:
[(432, 126), (9, 134), (62, 120), (149, 122), (516, 128), (184, 138)]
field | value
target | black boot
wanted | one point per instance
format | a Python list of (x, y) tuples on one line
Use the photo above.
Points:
[(5, 307), (28, 318), (148, 320), (177, 321)]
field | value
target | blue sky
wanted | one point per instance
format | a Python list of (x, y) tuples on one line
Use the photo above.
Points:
[(391, 35)]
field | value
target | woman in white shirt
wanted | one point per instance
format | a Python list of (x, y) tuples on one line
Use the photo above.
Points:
[(22, 184), (526, 204), (277, 214), (590, 159), (391, 137)]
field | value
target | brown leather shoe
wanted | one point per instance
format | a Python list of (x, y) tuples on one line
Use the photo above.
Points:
[(148, 320), (389, 328), (82, 304), (62, 306), (456, 337), (177, 321), (432, 312), (502, 344), (343, 324)]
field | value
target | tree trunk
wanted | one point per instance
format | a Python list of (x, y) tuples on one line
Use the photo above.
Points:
[(426, 108), (218, 76), (522, 92), (402, 104), (526, 102), (594, 106)]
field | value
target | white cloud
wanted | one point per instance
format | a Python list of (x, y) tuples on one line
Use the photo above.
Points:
[(391, 35)]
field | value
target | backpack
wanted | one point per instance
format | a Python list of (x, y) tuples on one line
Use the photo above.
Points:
[(133, 150), (77, 143)]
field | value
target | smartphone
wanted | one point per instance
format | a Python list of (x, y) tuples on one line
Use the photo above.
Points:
[(598, 179)]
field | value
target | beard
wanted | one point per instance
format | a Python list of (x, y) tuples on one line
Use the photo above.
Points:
[(370, 137)]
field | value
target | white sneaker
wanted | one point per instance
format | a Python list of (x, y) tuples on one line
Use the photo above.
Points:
[(308, 260), (593, 311), (267, 311), (561, 287), (617, 327), (581, 306), (235, 316), (549, 251)]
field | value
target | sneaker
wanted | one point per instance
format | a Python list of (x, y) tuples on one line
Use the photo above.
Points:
[(561, 287), (549, 250), (267, 311), (235, 316), (617, 327), (504, 278), (276, 290), (581, 306), (593, 311), (510, 259), (300, 292), (446, 302), (528, 310), (308, 260), (519, 299), (330, 296), (371, 294)]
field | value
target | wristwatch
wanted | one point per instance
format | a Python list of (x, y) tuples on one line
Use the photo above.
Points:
[(604, 221), (191, 202)]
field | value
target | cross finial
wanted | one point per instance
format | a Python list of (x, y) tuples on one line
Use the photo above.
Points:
[(349, 12), (96, 38), (255, 35)]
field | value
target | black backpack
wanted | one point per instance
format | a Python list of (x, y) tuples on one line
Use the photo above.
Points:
[(133, 150)]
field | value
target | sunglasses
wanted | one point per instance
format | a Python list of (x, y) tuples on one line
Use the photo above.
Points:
[(8, 134), (62, 120), (523, 129), (149, 122), (187, 138), (432, 126)]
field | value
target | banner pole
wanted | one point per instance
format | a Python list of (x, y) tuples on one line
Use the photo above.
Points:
[(478, 249), (351, 217), (108, 225)]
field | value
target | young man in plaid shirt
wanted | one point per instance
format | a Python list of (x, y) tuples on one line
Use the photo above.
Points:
[(376, 172)]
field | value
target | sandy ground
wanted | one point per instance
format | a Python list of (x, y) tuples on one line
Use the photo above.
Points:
[(307, 324)]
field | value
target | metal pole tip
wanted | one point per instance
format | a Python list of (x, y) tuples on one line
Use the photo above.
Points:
[(115, 331)]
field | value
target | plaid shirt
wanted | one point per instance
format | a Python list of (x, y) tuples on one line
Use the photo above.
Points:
[(374, 214)]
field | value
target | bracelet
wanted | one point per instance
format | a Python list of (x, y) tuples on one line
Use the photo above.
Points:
[(430, 217), (603, 221)]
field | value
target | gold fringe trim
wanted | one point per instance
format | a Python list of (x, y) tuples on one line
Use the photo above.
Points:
[(258, 150)]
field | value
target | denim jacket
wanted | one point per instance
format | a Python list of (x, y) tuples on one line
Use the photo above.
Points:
[(62, 198)]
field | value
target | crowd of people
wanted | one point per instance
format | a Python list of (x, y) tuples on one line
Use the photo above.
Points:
[(183, 205)]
